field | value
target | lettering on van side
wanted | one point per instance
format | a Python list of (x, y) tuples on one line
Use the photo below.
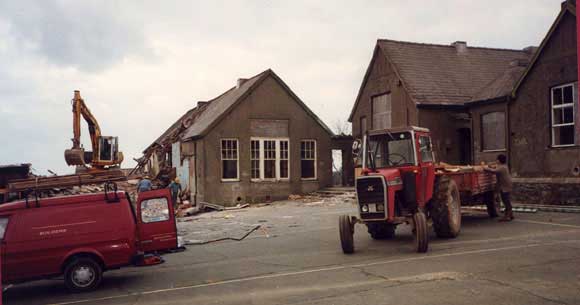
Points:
[(52, 232)]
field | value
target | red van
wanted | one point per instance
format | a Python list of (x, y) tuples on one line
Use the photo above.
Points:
[(82, 236)]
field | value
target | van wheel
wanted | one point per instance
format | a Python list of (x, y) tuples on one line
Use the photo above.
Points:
[(82, 274)]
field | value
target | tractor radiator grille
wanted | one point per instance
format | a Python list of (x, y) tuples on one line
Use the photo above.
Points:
[(371, 193)]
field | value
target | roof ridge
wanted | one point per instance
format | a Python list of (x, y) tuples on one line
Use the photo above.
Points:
[(449, 45)]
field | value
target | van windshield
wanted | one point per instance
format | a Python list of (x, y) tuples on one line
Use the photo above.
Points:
[(393, 149)]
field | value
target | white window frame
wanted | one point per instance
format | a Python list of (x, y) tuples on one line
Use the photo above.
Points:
[(237, 160), (277, 160), (562, 106), (315, 159)]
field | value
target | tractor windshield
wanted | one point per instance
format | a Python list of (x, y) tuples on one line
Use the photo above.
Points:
[(392, 149)]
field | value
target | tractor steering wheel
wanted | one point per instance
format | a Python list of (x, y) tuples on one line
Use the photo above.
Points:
[(401, 159)]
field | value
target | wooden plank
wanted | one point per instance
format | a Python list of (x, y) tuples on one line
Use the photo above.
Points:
[(44, 183)]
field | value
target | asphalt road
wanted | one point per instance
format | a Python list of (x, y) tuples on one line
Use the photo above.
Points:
[(296, 259)]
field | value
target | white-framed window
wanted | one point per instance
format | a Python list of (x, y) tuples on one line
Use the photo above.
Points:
[(230, 160), (493, 128), (381, 108), (270, 159), (563, 109), (308, 159)]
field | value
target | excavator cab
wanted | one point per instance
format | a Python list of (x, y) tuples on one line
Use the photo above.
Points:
[(105, 151)]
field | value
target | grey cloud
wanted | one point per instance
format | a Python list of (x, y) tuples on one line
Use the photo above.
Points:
[(74, 34)]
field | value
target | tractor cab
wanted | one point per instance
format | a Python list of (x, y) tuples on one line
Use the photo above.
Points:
[(396, 180)]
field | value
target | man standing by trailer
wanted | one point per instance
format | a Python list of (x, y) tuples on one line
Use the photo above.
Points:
[(504, 184)]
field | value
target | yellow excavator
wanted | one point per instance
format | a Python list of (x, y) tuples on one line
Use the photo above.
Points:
[(105, 154)]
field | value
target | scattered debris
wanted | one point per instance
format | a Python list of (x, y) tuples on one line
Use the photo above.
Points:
[(212, 206), (203, 242)]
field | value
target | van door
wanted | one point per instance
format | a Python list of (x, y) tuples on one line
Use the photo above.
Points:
[(156, 221)]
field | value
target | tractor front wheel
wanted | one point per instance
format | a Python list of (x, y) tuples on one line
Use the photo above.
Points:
[(346, 228), (446, 208), (420, 231)]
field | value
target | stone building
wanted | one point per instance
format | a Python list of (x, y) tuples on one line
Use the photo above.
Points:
[(480, 102), (431, 85), (255, 142)]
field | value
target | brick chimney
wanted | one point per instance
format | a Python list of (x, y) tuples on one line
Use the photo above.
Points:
[(460, 46)]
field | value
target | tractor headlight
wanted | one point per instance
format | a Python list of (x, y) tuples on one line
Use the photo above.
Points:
[(380, 207), (365, 208)]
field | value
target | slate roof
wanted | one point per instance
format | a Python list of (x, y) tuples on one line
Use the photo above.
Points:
[(216, 109), (442, 75), (199, 120), (501, 86), (219, 105)]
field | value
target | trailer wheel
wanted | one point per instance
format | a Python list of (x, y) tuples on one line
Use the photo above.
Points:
[(420, 231), (493, 208), (83, 274), (346, 228), (446, 208), (381, 230)]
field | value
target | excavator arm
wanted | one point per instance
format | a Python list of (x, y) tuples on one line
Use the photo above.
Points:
[(76, 155)]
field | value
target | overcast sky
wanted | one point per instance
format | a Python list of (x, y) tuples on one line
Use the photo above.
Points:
[(141, 64)]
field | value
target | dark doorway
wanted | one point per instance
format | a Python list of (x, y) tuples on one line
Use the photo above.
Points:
[(464, 145)]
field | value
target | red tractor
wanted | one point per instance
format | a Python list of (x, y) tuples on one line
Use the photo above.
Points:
[(401, 183)]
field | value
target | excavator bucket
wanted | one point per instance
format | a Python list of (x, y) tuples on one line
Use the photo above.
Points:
[(75, 156)]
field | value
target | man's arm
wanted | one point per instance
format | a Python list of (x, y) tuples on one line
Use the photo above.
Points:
[(491, 170)]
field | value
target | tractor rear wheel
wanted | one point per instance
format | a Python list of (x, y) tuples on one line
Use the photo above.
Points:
[(420, 231), (493, 208), (446, 208), (346, 228), (381, 230)]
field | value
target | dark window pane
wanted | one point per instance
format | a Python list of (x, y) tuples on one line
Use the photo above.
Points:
[(568, 114), (230, 169), (564, 135), (269, 169), (557, 96), (283, 168), (568, 95), (558, 116), (255, 169), (307, 168)]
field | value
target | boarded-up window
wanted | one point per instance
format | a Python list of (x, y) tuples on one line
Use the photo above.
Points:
[(229, 154), (381, 111), (308, 159), (493, 131), (563, 100)]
